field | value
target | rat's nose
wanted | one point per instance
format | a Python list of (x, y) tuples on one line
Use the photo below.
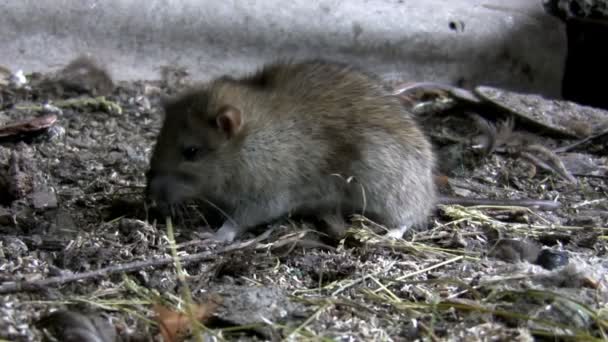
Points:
[(157, 196), (159, 189)]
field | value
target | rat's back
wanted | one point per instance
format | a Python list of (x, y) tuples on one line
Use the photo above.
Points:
[(337, 120)]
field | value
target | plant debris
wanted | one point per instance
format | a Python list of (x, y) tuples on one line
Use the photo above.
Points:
[(76, 240)]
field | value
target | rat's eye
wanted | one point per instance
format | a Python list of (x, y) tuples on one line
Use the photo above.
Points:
[(190, 152)]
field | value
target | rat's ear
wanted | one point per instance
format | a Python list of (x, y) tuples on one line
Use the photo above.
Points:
[(229, 120)]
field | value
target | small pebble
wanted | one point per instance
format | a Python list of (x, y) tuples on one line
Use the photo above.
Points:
[(511, 250), (18, 79), (52, 109), (55, 132), (45, 199), (551, 259), (13, 247)]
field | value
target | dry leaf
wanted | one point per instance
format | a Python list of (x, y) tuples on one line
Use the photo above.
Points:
[(30, 125), (175, 324)]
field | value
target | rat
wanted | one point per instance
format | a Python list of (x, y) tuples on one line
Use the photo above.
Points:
[(82, 75), (313, 137)]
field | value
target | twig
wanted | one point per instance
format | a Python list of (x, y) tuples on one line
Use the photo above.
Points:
[(526, 203), (186, 294), (586, 203), (309, 320), (567, 148), (424, 270), (430, 332), (11, 287), (459, 93), (361, 279), (297, 240)]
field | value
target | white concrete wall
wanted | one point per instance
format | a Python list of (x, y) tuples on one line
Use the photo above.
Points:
[(513, 44)]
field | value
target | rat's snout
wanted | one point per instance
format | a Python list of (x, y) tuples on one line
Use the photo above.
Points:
[(160, 188)]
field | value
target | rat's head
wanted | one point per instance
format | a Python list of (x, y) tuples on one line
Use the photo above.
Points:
[(192, 156)]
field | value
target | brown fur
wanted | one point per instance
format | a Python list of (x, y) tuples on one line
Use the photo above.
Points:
[(85, 75), (316, 137)]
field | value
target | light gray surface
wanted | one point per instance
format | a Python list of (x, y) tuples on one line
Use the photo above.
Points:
[(511, 44)]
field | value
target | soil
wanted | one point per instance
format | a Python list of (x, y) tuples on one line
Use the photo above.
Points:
[(72, 202)]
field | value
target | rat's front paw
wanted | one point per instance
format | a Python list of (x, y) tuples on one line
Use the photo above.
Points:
[(396, 233), (226, 233)]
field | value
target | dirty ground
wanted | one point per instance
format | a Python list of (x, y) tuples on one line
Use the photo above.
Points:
[(82, 257)]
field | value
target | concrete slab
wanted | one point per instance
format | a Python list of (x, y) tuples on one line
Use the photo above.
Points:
[(466, 42)]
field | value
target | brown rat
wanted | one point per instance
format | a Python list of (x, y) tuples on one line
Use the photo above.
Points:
[(310, 137), (83, 75)]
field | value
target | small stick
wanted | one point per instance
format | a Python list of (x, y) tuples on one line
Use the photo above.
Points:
[(528, 203), (567, 148), (11, 287), (454, 91)]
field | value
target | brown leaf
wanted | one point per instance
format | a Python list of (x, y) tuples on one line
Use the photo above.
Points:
[(442, 181), (30, 125), (175, 324)]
